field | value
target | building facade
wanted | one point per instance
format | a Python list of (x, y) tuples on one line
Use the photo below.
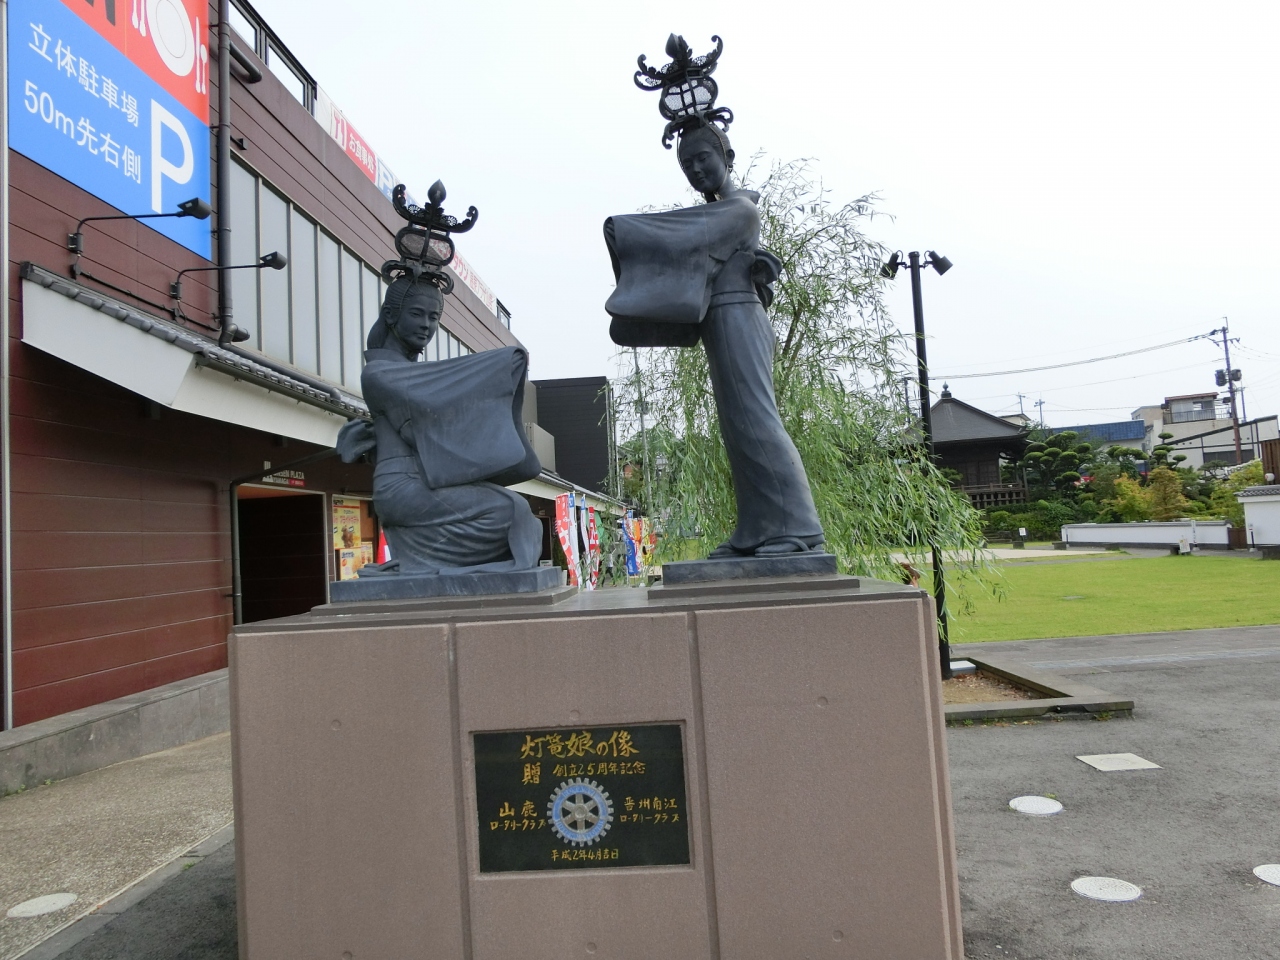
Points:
[(162, 480), (1202, 431), (976, 444)]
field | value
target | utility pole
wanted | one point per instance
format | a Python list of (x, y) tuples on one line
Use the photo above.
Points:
[(1021, 397), (1230, 376), (1040, 411)]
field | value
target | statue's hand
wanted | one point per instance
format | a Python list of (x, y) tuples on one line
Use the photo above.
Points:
[(355, 440), (764, 272)]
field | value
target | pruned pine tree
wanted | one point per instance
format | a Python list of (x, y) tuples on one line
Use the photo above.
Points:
[(838, 372)]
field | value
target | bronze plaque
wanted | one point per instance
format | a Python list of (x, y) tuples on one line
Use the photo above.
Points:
[(572, 799)]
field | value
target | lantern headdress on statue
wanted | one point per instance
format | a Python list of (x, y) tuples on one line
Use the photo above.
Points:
[(423, 243), (688, 94)]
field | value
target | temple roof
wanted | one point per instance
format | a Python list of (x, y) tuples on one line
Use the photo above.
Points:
[(955, 421)]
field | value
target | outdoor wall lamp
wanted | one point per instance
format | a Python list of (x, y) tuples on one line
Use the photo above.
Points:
[(195, 207), (231, 333), (889, 270)]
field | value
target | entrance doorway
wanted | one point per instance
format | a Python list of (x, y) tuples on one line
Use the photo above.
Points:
[(283, 551)]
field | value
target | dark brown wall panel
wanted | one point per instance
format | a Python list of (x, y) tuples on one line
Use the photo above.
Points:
[(55, 662), (45, 208), (32, 703), (37, 702)]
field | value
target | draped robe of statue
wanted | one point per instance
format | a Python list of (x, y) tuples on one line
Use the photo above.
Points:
[(698, 273), (449, 437)]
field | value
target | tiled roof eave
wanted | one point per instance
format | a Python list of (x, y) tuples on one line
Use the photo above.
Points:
[(207, 350)]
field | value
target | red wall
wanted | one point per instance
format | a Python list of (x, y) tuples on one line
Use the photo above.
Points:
[(121, 536)]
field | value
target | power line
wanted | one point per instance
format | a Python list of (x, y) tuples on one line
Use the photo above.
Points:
[(1076, 363), (1056, 407), (1096, 383), (1036, 356)]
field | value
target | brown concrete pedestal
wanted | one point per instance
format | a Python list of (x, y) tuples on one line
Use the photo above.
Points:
[(815, 773)]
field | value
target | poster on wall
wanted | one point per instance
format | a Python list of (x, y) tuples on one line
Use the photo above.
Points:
[(114, 97), (347, 517), (348, 564)]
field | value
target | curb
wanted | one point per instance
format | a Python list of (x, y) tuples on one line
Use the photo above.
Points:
[(93, 920), (133, 726), (1062, 697)]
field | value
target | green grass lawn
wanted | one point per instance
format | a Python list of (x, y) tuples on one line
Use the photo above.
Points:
[(1124, 595)]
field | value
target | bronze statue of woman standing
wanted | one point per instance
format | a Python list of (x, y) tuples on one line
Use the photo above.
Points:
[(698, 273)]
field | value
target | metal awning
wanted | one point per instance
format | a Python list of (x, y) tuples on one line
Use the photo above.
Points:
[(549, 485)]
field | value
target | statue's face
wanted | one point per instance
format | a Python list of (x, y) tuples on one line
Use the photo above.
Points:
[(702, 162), (419, 317)]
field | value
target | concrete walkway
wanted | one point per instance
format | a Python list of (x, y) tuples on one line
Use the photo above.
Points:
[(98, 833), (1189, 833)]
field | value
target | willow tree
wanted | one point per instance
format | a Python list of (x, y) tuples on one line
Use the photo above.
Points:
[(838, 370)]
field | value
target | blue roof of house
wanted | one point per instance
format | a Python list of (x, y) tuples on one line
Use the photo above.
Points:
[(1116, 432)]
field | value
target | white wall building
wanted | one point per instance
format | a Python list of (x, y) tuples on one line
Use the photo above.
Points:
[(1261, 514)]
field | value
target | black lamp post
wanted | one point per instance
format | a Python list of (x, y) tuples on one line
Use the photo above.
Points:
[(889, 271), (230, 333)]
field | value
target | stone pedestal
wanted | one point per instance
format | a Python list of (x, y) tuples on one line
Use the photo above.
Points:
[(815, 787)]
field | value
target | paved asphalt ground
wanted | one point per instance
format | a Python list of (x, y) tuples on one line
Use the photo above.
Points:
[(1190, 833)]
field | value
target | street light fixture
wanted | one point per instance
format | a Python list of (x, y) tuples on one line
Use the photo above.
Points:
[(195, 207), (230, 333), (890, 270)]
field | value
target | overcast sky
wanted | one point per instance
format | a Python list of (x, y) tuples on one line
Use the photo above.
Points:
[(1103, 175)]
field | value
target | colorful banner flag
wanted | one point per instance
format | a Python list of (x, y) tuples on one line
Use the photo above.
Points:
[(567, 534), (632, 545), (593, 547)]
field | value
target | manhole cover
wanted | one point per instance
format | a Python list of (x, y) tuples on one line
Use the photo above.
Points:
[(1118, 761), (49, 903), (1106, 888), (1268, 873), (1036, 806)]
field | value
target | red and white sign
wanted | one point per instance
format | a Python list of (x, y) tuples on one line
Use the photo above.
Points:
[(167, 39), (567, 533)]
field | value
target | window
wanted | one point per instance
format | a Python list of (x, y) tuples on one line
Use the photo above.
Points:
[(330, 313), (316, 313), (273, 285), (504, 315), (352, 341), (244, 249), (282, 64), (1184, 411), (371, 300), (302, 263), (242, 25)]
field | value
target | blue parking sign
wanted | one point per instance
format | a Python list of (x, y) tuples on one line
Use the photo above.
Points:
[(81, 107)]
